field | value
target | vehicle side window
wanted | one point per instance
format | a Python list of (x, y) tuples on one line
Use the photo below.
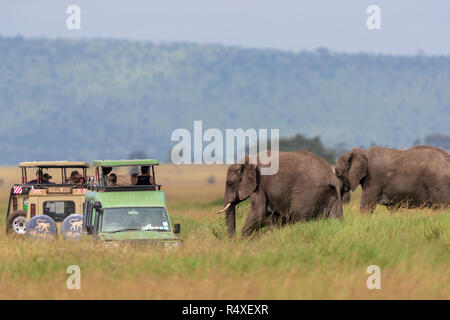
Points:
[(59, 210)]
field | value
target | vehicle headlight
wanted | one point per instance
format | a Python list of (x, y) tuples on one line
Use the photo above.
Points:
[(171, 244), (111, 244)]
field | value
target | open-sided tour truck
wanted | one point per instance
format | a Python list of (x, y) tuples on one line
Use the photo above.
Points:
[(51, 190), (134, 211)]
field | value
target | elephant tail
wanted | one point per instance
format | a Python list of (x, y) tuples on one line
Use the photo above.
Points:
[(335, 203)]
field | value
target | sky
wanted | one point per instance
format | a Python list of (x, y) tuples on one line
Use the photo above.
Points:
[(407, 26)]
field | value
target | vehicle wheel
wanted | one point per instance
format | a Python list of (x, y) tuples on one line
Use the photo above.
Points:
[(72, 227), (41, 227), (16, 223)]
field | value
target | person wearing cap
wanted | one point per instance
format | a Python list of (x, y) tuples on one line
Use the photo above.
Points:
[(46, 179), (75, 178)]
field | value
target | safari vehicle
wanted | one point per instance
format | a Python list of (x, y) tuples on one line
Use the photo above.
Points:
[(128, 212), (40, 196)]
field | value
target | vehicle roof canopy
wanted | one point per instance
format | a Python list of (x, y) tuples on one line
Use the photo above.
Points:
[(54, 164), (123, 163)]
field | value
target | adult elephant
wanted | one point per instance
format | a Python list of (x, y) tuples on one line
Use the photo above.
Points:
[(304, 188), (416, 177)]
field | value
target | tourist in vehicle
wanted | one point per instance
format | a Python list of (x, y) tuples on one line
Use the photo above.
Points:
[(134, 179), (75, 178), (113, 180), (104, 181), (35, 181), (46, 179), (145, 178)]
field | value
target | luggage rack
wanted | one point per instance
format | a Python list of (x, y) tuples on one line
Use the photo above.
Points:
[(151, 187), (50, 185)]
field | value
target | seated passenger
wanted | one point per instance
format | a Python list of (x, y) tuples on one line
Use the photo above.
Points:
[(104, 181), (145, 178), (46, 179), (113, 180), (75, 178), (134, 179), (35, 181)]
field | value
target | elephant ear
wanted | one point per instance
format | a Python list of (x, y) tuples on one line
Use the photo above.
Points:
[(248, 181), (358, 168)]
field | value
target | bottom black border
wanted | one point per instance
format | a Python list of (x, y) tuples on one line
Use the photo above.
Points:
[(229, 309)]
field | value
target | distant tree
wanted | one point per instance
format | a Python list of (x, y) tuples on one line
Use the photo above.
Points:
[(314, 145), (136, 155), (438, 140), (211, 179), (340, 148)]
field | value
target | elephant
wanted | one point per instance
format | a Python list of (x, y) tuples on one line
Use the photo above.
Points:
[(411, 178), (304, 188), (346, 197)]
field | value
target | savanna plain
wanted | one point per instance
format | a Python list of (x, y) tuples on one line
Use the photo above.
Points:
[(325, 259)]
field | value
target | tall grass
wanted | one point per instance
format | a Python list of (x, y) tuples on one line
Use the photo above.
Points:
[(323, 259), (318, 259)]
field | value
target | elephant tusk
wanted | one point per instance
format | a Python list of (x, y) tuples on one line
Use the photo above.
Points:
[(225, 209)]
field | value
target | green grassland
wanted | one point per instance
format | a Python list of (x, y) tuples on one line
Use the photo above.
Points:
[(324, 259)]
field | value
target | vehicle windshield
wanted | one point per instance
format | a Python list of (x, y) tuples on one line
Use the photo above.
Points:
[(143, 219)]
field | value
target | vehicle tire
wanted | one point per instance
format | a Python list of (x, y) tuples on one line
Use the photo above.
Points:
[(41, 227), (72, 226), (16, 223)]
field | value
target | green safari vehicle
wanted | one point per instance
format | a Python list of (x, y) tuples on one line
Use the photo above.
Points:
[(133, 211)]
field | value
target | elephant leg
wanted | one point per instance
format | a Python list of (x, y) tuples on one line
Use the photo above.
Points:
[(257, 217), (439, 197), (369, 198), (319, 202), (275, 219)]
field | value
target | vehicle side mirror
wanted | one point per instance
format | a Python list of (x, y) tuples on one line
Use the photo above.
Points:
[(97, 205), (96, 222), (176, 228)]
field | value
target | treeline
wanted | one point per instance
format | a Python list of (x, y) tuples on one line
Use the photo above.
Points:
[(436, 140), (96, 99), (314, 145)]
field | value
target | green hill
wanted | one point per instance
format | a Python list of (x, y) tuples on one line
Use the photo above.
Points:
[(86, 99)]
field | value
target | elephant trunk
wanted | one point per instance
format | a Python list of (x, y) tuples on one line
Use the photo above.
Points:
[(231, 220)]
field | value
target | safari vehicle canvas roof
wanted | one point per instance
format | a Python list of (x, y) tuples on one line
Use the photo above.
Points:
[(54, 164), (122, 163)]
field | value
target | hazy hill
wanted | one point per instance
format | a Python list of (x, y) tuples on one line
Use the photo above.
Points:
[(79, 99)]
